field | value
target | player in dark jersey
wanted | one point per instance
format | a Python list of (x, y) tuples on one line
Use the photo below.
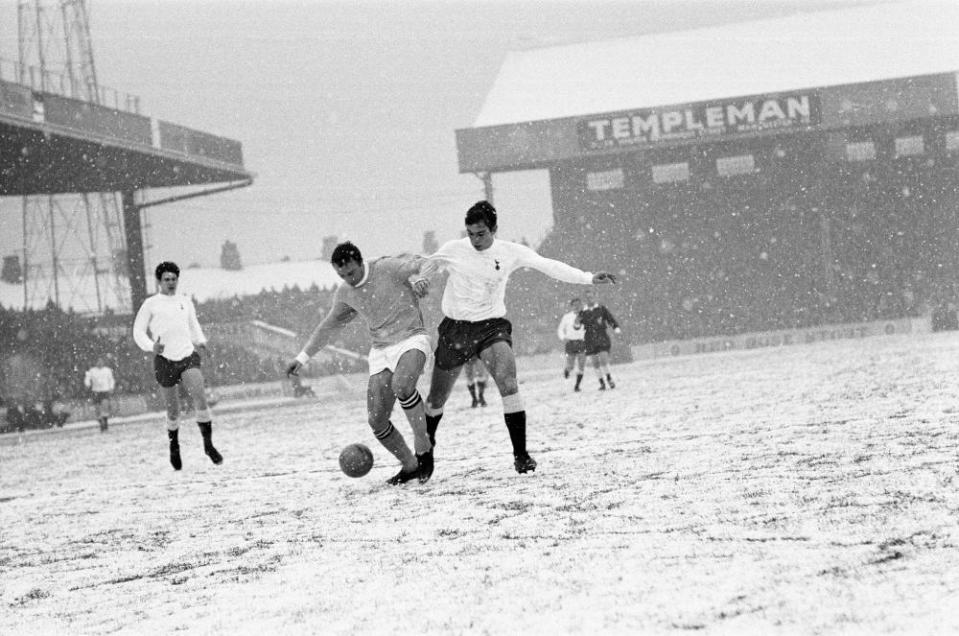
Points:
[(596, 319)]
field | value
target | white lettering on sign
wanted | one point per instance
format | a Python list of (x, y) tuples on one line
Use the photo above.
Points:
[(700, 120)]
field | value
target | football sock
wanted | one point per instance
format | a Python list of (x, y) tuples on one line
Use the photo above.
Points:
[(515, 415), (480, 390), (392, 440), (566, 373), (472, 389), (206, 430), (432, 422), (175, 461), (579, 378), (516, 425), (415, 412)]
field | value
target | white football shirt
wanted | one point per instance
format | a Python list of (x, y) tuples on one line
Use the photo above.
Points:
[(171, 320), (476, 287)]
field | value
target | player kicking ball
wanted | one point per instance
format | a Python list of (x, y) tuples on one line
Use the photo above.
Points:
[(381, 293), (474, 307)]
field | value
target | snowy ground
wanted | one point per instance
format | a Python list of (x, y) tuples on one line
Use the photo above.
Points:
[(809, 489)]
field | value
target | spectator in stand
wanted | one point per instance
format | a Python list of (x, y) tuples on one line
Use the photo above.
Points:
[(595, 319), (571, 332), (101, 383)]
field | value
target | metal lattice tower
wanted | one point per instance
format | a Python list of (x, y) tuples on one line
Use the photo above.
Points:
[(73, 245)]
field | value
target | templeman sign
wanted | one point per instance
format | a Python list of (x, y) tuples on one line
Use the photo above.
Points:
[(704, 120)]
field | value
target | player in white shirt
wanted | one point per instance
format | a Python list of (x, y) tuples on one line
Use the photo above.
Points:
[(166, 326), (474, 324), (571, 332), (99, 379)]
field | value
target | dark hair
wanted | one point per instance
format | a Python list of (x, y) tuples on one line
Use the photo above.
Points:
[(574, 300), (346, 252), (482, 212), (167, 266)]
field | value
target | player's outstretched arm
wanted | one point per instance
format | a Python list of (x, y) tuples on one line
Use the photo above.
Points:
[(336, 319), (604, 278)]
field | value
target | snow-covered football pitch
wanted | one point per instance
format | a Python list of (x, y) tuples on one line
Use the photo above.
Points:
[(806, 489)]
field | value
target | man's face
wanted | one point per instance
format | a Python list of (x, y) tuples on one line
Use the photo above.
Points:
[(589, 297), (481, 237), (576, 305), (168, 282), (351, 272)]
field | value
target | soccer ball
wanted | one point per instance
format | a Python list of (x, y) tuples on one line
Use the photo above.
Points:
[(356, 460)]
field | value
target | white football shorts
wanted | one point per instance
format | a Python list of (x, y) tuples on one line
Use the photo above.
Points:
[(389, 357)]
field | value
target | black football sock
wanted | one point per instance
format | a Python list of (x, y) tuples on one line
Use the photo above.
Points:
[(516, 425), (206, 430), (579, 378), (432, 422), (174, 437)]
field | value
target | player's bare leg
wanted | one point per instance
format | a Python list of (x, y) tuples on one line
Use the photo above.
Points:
[(594, 360), (380, 400), (408, 371), (501, 363), (580, 362), (603, 358), (441, 385), (193, 383)]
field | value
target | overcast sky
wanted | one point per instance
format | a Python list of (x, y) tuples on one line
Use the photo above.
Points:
[(346, 111)]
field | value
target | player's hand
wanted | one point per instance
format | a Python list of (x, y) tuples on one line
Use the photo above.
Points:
[(603, 278), (293, 368), (421, 286), (158, 347)]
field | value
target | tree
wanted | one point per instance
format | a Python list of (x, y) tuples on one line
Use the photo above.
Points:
[(230, 257)]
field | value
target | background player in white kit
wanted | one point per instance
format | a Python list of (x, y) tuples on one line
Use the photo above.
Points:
[(571, 332), (381, 293), (99, 379), (474, 308), (166, 325)]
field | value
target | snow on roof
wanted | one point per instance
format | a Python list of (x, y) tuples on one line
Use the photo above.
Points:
[(202, 283), (807, 50)]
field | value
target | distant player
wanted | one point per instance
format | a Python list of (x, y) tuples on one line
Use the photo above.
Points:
[(476, 378), (100, 381), (474, 307), (596, 319), (166, 325), (571, 332), (379, 291)]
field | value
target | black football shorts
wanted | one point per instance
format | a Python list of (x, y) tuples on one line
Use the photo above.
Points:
[(168, 372), (460, 340)]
